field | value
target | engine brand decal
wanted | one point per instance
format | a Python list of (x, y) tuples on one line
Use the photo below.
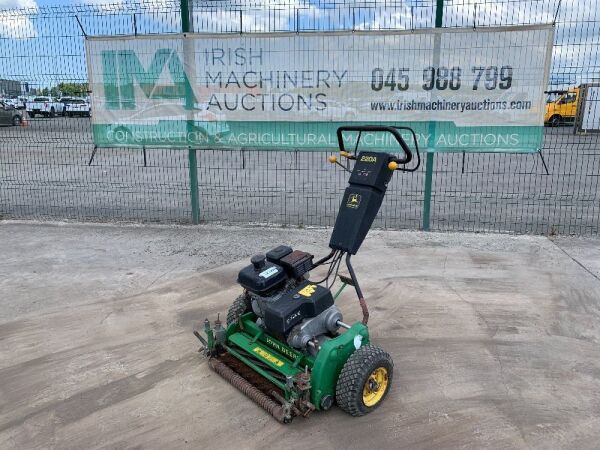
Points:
[(308, 290), (292, 316), (353, 201), (269, 272), (370, 159), (266, 355)]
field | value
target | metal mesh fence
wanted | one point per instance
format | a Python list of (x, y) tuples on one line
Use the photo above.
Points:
[(50, 169)]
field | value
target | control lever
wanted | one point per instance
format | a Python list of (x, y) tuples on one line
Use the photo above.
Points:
[(333, 160)]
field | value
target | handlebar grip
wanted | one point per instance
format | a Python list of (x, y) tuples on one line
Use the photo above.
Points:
[(377, 128)]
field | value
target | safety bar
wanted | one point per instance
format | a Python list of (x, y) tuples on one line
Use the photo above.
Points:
[(376, 128)]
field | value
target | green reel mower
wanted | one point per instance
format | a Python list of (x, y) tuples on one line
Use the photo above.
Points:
[(285, 344)]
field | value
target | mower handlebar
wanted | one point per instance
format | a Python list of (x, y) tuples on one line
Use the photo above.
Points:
[(377, 128)]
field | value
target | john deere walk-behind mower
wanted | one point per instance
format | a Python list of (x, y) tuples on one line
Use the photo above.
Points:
[(286, 345)]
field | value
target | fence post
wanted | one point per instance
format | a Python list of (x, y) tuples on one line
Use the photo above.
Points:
[(189, 104), (439, 15)]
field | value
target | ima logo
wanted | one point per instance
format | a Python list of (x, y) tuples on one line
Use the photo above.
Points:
[(353, 201), (122, 68)]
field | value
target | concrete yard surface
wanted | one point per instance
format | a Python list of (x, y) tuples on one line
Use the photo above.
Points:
[(495, 339)]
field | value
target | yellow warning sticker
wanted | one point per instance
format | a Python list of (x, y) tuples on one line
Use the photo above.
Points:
[(308, 290), (266, 355)]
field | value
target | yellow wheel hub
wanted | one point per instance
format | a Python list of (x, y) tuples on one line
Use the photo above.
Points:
[(375, 386)]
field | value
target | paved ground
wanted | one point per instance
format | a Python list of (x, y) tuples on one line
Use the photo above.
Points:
[(44, 173), (494, 337)]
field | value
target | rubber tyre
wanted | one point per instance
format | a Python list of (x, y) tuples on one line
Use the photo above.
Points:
[(555, 120), (354, 375), (52, 112), (16, 121), (240, 306)]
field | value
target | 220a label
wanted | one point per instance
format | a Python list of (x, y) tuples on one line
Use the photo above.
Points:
[(366, 158)]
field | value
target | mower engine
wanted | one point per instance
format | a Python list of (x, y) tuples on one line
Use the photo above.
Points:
[(286, 304)]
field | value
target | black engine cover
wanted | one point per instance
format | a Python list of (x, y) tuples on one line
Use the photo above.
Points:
[(261, 276), (305, 301)]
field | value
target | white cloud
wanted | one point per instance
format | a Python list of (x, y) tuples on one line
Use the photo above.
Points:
[(262, 15), (18, 4), (17, 26), (105, 5), (400, 18), (127, 5)]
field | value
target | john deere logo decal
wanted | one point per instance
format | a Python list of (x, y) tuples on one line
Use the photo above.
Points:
[(353, 201), (280, 348)]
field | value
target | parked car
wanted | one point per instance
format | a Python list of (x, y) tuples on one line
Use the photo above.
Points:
[(77, 107), (13, 101), (65, 101), (45, 106), (9, 115), (22, 101)]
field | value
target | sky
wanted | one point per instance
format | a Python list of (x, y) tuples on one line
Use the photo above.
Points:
[(29, 44)]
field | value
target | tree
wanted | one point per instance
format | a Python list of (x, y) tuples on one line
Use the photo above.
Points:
[(71, 89)]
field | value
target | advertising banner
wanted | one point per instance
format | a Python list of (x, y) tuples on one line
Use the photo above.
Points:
[(460, 89)]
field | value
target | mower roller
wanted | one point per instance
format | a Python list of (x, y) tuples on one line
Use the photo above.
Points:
[(285, 344)]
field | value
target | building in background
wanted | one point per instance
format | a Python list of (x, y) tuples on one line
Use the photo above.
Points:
[(10, 88)]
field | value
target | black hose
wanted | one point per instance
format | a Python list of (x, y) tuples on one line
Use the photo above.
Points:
[(325, 259), (339, 263), (333, 264)]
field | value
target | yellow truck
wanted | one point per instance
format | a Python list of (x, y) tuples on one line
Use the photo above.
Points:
[(561, 107)]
